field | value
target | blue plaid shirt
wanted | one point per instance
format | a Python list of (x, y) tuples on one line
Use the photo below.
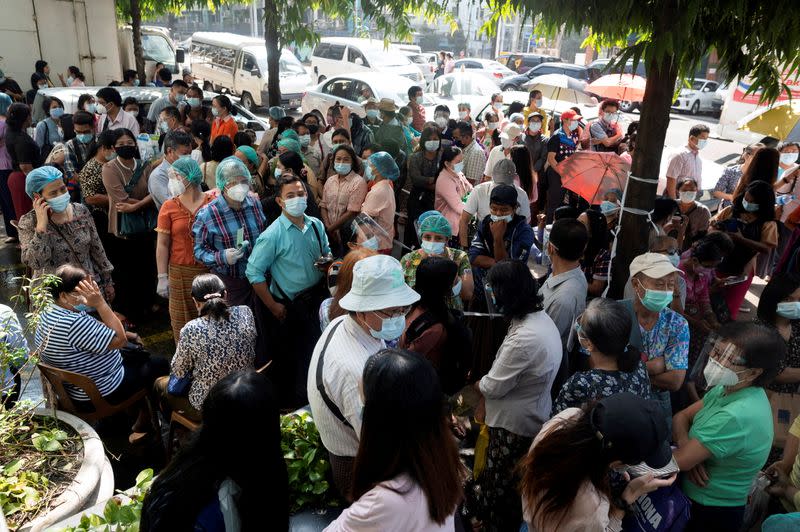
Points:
[(215, 228)]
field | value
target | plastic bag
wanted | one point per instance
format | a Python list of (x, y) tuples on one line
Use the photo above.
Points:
[(757, 502), (481, 446)]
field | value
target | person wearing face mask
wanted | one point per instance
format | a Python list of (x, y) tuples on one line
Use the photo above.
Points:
[(372, 115), (730, 177), (750, 222), (174, 98), (415, 100), (489, 134), (194, 109), (129, 78), (535, 106), (612, 366), (687, 163), (501, 234), (724, 439), (68, 338), (474, 158), (660, 333), (342, 197), (606, 132), (423, 168), (441, 117), (224, 230), (169, 119), (75, 77), (536, 143), (294, 251), (175, 260), (451, 188), (77, 148), (109, 106), (376, 305), (389, 130), (515, 394), (313, 157), (497, 106), (25, 155), (787, 185), (340, 281), (434, 329), (177, 144), (507, 140), (90, 179), (434, 232), (465, 113), (381, 171), (58, 231), (50, 131), (223, 123), (779, 309), (667, 246), (695, 216), (561, 145)]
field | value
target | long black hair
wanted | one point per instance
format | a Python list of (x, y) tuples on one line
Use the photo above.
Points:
[(209, 291), (521, 158), (763, 195), (599, 236), (449, 153), (202, 130), (515, 290), (240, 408), (434, 281)]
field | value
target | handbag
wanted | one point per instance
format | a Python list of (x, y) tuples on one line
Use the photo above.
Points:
[(138, 222), (785, 409), (663, 510)]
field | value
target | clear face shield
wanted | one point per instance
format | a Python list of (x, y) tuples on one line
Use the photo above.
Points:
[(367, 233), (720, 362)]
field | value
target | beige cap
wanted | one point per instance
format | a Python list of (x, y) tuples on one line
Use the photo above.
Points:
[(653, 265)]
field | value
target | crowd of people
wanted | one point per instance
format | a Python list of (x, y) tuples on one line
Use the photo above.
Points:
[(331, 263)]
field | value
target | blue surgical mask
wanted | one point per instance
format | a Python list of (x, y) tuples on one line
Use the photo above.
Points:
[(193, 102), (278, 172), (788, 158), (457, 288), (342, 168), (373, 113), (368, 172), (607, 207), (578, 330), (749, 207), (164, 127), (180, 97), (90, 107), (305, 140), (458, 167), (391, 328), (136, 82), (573, 125), (59, 203), (215, 111), (371, 243), (789, 310), (432, 145), (674, 258), (57, 112), (295, 206), (84, 138), (432, 248), (80, 307), (111, 156), (496, 218)]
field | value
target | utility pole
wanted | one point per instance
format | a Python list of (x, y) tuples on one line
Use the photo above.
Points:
[(253, 19)]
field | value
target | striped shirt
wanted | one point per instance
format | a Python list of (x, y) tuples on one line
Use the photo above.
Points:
[(75, 341), (347, 353), (215, 228)]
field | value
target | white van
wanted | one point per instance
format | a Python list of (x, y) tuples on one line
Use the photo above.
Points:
[(157, 47), (226, 62), (345, 55)]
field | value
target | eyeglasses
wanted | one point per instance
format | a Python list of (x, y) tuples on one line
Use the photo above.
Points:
[(396, 313)]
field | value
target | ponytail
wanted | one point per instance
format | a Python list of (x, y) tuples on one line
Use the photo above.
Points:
[(209, 291), (629, 359)]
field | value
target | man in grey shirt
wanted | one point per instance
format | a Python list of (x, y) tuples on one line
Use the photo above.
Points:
[(606, 133), (175, 97), (176, 144), (565, 291)]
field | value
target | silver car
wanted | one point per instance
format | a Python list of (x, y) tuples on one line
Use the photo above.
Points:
[(144, 96), (351, 90), (488, 68)]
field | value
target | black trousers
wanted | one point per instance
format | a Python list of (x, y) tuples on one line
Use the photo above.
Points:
[(715, 518)]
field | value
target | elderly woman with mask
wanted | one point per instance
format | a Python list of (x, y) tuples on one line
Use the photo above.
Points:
[(177, 265), (434, 231), (225, 229), (58, 232)]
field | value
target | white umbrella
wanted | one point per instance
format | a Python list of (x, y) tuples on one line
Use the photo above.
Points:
[(560, 87)]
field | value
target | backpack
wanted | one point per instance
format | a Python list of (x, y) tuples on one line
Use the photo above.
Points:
[(456, 352)]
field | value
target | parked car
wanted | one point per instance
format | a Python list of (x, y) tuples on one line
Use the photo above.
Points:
[(469, 87), (235, 64), (574, 71), (497, 72), (701, 97), (144, 96), (422, 62), (599, 67), (350, 90), (334, 56), (521, 63)]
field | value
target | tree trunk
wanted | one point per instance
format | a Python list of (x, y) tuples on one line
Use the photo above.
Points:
[(635, 229), (273, 51), (136, 30)]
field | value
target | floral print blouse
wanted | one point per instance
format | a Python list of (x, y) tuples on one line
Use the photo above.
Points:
[(595, 384)]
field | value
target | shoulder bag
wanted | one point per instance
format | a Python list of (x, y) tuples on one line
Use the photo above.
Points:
[(137, 222)]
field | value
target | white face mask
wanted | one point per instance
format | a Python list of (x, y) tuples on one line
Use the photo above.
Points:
[(534, 127), (238, 192), (176, 187), (441, 121), (788, 158), (462, 115), (688, 196), (717, 374), (491, 126), (506, 143)]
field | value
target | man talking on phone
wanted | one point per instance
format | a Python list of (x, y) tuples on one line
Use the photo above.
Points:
[(294, 251)]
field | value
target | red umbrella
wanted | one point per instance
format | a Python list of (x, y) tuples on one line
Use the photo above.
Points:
[(626, 87), (591, 174)]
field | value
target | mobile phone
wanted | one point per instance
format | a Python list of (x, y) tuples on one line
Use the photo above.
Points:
[(239, 237), (731, 225)]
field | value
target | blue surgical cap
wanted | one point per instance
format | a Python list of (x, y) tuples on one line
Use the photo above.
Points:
[(188, 169), (39, 178), (5, 102), (384, 164), (276, 113), (434, 222), (230, 168)]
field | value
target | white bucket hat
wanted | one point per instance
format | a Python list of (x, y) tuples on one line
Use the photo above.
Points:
[(378, 283)]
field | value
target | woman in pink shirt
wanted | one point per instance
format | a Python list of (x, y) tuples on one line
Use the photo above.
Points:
[(379, 171), (407, 475), (451, 189)]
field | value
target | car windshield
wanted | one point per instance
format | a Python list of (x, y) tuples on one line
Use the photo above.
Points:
[(697, 85), (290, 65), (418, 59), (156, 48), (462, 84), (386, 58)]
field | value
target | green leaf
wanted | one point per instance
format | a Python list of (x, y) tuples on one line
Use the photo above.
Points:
[(12, 467), (45, 442)]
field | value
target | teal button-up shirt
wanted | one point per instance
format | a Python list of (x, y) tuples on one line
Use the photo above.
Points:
[(288, 253)]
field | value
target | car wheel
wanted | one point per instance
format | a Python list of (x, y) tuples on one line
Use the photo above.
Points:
[(247, 101), (626, 106), (207, 86), (510, 88), (695, 107), (321, 79)]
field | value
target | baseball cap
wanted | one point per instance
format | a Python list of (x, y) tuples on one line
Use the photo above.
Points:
[(569, 114), (653, 265), (378, 283), (632, 429), (535, 113), (504, 172)]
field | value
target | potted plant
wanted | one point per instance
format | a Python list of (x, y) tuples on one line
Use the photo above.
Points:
[(52, 464)]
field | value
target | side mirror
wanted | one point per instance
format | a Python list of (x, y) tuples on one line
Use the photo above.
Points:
[(359, 61), (255, 126), (180, 54), (255, 72)]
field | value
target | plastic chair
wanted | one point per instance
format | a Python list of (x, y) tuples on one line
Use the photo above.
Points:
[(178, 419), (56, 378)]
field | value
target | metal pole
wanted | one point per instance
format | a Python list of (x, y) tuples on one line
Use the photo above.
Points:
[(253, 18)]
